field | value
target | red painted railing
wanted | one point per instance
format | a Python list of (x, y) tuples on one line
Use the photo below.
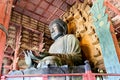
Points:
[(85, 76)]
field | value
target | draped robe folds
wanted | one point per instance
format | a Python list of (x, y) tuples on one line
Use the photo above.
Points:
[(67, 47)]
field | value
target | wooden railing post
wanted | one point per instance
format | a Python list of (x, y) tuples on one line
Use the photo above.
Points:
[(2, 78), (45, 77), (88, 73)]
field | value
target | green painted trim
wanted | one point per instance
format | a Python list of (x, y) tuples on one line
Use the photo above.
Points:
[(106, 42)]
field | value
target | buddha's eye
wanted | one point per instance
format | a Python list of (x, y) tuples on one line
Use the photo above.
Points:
[(52, 30)]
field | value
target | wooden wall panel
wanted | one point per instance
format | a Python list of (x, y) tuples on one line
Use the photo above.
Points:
[(34, 26)]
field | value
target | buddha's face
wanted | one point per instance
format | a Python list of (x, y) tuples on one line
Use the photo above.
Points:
[(56, 31)]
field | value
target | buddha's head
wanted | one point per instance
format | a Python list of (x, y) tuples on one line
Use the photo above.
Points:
[(57, 28)]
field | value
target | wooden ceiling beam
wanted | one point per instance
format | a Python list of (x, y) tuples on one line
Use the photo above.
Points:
[(55, 11), (10, 57), (118, 1), (113, 8), (47, 7)]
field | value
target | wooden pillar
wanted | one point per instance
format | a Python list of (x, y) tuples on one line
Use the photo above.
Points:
[(115, 41), (88, 72), (16, 57), (5, 10)]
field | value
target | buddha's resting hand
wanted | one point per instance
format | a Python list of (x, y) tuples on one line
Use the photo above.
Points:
[(37, 56)]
